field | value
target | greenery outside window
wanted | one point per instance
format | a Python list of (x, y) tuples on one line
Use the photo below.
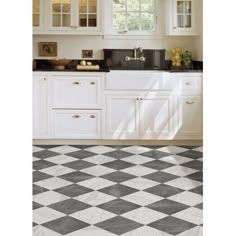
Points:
[(134, 15)]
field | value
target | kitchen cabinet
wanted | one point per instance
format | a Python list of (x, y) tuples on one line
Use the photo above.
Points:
[(181, 17), (40, 106), (74, 16), (37, 18)]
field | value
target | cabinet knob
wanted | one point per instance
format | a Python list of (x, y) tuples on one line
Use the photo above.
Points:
[(71, 26), (76, 116), (76, 83), (44, 79), (75, 27), (92, 83), (137, 99), (141, 99), (189, 102), (189, 83), (92, 116), (174, 27)]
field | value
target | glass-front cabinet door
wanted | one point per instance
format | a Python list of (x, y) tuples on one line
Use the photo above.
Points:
[(37, 18), (183, 18)]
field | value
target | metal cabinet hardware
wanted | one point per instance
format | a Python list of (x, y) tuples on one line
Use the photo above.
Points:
[(76, 116), (76, 83), (189, 83), (137, 99), (44, 79), (92, 83), (92, 116), (141, 99), (189, 102)]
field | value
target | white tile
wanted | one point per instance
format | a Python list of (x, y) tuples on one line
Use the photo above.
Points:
[(53, 183), (138, 170), (93, 215), (175, 159), (45, 214), (36, 159), (37, 149), (200, 159), (91, 231), (95, 198), (136, 149), (99, 159), (96, 183), (146, 231), (140, 183), (64, 149), (184, 183), (196, 231), (49, 197), (100, 149), (137, 159), (172, 149), (144, 215), (98, 170), (191, 214), (142, 198), (39, 230), (180, 170), (61, 159), (57, 170), (199, 149), (188, 198)]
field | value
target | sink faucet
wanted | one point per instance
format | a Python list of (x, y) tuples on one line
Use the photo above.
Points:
[(135, 58)]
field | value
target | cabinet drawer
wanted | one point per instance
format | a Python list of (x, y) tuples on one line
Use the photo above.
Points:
[(190, 84), (139, 80), (76, 124), (76, 92)]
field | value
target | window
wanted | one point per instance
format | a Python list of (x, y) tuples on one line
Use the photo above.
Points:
[(133, 15)]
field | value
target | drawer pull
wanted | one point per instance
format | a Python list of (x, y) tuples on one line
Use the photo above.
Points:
[(44, 79), (137, 99), (76, 83), (76, 116), (189, 83), (141, 99), (189, 102), (92, 116), (92, 83)]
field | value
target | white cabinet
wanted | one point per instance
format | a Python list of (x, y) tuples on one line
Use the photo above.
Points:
[(40, 108), (37, 16), (181, 17)]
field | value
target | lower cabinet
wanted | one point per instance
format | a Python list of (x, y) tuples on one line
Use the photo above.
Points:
[(75, 124), (138, 117)]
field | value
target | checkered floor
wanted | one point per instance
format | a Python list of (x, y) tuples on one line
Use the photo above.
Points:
[(84, 190)]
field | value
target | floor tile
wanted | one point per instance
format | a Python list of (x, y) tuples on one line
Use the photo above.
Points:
[(39, 230), (79, 164), (45, 214), (172, 225), (197, 165), (144, 215), (36, 159), (198, 190), (81, 154), (196, 231), (118, 146), (36, 149), (160, 177), (99, 159), (188, 198), (49, 197), (118, 206), (61, 159), (98, 170), (93, 215), (198, 176), (100, 149), (42, 164), (136, 149), (118, 176), (57, 170), (138, 170), (118, 164), (96, 183), (83, 146), (146, 230), (198, 149), (118, 154), (179, 170), (167, 206), (64, 149), (142, 198), (191, 214), (157, 165), (199, 206), (76, 176), (118, 225), (172, 149), (38, 175), (65, 225), (137, 159), (45, 154), (36, 205), (191, 154), (184, 183), (95, 198), (155, 154), (175, 159), (47, 146), (73, 190), (37, 189), (140, 183), (53, 183)]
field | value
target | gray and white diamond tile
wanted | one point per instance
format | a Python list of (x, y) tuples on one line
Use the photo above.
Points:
[(111, 190)]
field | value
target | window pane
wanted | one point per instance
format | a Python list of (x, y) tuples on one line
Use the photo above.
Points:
[(133, 5), (146, 21), (118, 5), (147, 5), (133, 21), (119, 21)]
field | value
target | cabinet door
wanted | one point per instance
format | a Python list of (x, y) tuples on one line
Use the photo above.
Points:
[(40, 118), (75, 92), (190, 117), (37, 18), (156, 115), (122, 120)]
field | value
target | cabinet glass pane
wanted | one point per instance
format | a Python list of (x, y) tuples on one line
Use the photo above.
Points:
[(56, 20), (133, 21), (83, 6), (65, 20), (132, 5), (36, 15), (180, 21), (180, 7), (92, 20), (188, 7), (187, 21), (119, 21), (36, 6), (36, 20), (83, 20), (146, 21), (92, 6)]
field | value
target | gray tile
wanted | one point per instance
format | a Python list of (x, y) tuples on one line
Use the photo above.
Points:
[(164, 190), (198, 190), (37, 189), (117, 146), (79, 165), (172, 225), (197, 165), (47, 146), (65, 225), (190, 146), (157, 165), (160, 177), (34, 224), (37, 176), (198, 176), (45, 154), (153, 146), (118, 190), (41, 164), (36, 205), (82, 146), (199, 206), (118, 206), (118, 164), (81, 154), (191, 154), (118, 225), (73, 190), (155, 154), (118, 176), (119, 154), (69, 206), (167, 206), (76, 176)]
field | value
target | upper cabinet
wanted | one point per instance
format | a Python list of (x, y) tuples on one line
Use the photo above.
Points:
[(181, 17), (37, 18)]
